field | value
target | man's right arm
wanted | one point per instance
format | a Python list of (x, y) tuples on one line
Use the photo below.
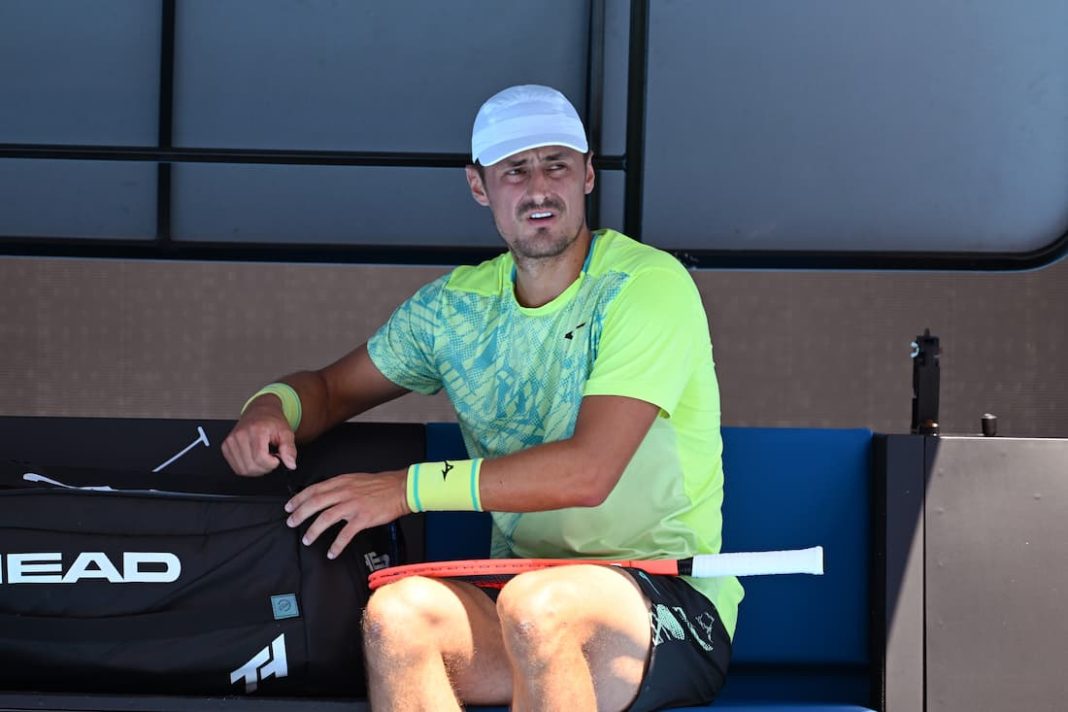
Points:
[(328, 396)]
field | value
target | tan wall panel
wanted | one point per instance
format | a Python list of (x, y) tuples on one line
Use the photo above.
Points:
[(125, 338), (183, 339), (831, 349)]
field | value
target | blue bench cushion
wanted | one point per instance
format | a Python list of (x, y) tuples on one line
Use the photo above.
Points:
[(787, 488)]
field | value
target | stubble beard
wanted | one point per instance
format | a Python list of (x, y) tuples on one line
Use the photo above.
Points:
[(542, 244)]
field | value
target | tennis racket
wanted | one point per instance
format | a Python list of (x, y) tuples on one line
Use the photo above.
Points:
[(494, 573)]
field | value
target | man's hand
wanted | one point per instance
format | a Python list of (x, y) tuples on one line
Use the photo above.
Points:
[(248, 446), (362, 500)]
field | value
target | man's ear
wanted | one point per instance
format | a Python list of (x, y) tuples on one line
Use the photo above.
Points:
[(590, 177), (478, 188)]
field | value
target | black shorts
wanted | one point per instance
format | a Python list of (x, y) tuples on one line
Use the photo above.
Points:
[(691, 649)]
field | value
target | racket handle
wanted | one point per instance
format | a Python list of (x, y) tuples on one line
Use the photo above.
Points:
[(760, 563)]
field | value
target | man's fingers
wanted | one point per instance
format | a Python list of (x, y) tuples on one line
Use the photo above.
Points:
[(326, 519), (295, 502), (260, 452), (241, 455), (329, 518), (248, 446), (327, 499), (360, 500), (236, 452), (351, 529), (287, 451), (311, 499)]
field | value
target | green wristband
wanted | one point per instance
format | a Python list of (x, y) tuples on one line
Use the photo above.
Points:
[(445, 486), (290, 402)]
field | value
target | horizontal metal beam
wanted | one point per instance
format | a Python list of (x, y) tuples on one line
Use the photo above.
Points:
[(262, 156), (416, 254)]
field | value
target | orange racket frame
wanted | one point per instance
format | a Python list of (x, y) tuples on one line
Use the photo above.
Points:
[(496, 572)]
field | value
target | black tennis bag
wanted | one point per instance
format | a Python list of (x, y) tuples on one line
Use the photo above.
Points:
[(113, 582)]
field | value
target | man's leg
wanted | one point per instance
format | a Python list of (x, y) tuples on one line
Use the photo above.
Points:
[(428, 641), (577, 636)]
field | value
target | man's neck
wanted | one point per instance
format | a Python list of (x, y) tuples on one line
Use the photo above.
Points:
[(539, 281)]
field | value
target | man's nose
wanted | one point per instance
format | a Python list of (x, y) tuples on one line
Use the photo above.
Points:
[(538, 187)]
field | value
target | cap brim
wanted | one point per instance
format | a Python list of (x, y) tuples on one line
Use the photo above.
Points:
[(498, 152)]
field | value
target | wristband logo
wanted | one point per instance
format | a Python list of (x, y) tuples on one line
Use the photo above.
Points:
[(446, 470)]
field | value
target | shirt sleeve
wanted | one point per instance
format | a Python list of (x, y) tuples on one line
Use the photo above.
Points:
[(403, 348), (654, 334)]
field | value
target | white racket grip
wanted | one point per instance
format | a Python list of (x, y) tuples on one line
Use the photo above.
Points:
[(760, 563)]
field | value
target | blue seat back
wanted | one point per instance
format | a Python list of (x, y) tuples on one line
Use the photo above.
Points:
[(789, 488)]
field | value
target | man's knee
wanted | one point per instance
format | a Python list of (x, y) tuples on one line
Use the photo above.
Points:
[(538, 614), (403, 616)]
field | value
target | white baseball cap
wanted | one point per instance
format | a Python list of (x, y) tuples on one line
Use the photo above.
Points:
[(524, 117)]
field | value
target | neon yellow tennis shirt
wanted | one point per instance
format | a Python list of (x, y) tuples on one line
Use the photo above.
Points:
[(632, 325)]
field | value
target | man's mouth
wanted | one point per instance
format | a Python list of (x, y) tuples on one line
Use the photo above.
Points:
[(540, 215)]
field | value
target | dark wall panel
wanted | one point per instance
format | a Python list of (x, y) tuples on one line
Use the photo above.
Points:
[(616, 66), (611, 191), (769, 126), (75, 72), (328, 204), (399, 76), (831, 125), (102, 199)]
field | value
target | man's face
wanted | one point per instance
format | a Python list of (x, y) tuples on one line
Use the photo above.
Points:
[(538, 198)]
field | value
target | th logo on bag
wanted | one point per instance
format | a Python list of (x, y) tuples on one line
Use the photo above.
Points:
[(376, 561), (269, 661)]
